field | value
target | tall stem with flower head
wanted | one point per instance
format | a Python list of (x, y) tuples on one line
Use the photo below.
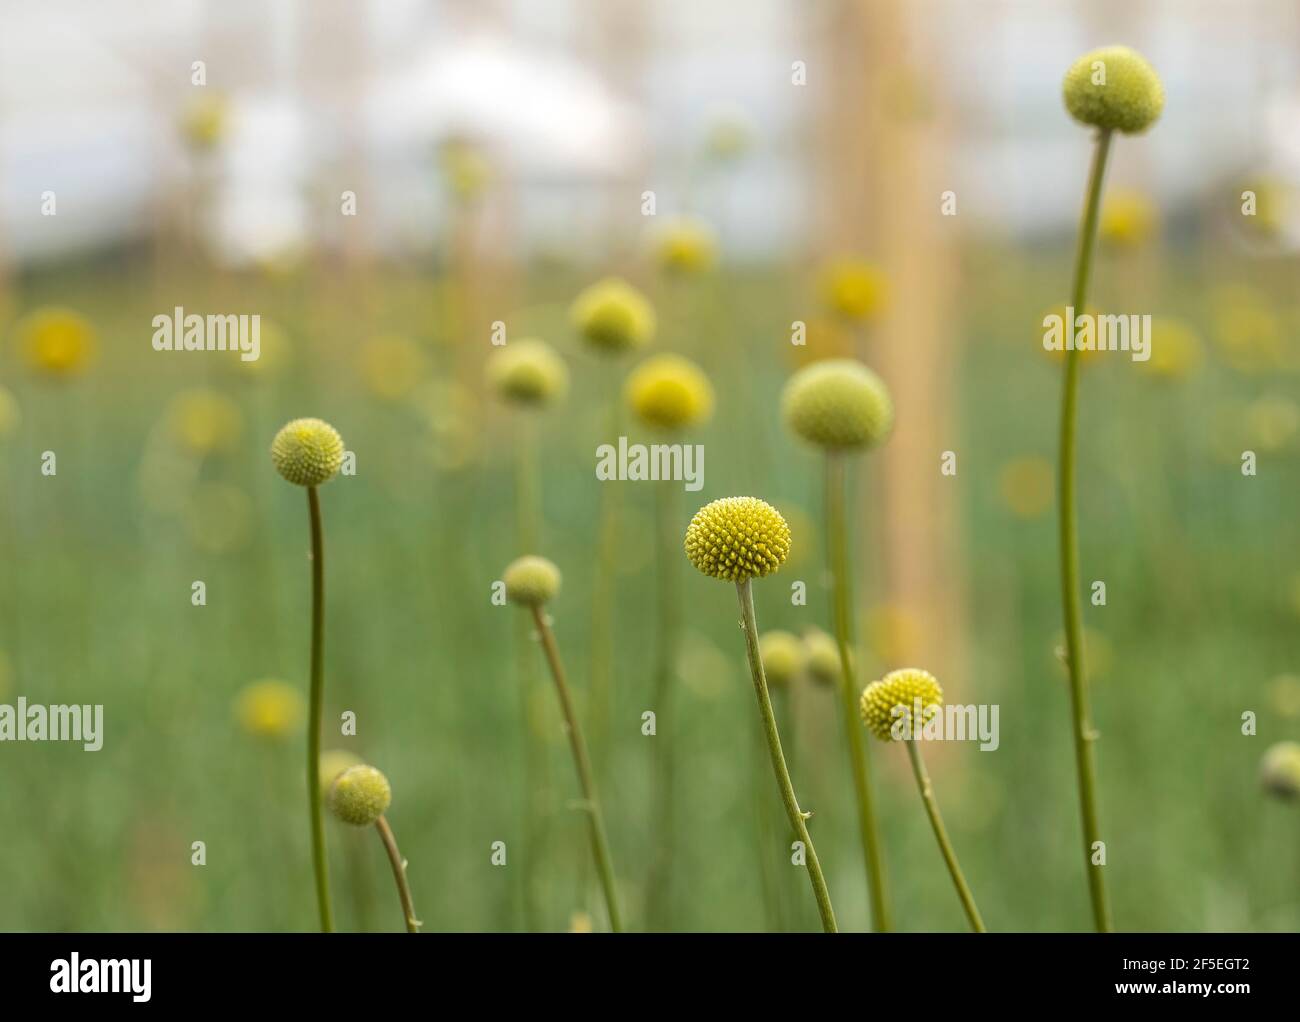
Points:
[(398, 865), (1111, 89), (941, 835)]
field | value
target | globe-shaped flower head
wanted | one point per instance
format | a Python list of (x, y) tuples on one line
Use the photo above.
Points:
[(783, 655), (822, 657), (854, 289), (1114, 88), (269, 708), (360, 795), (687, 246), (737, 538), (528, 372), (307, 452), (1280, 770), (669, 392), (531, 581), (899, 689), (613, 316), (56, 342), (838, 404)]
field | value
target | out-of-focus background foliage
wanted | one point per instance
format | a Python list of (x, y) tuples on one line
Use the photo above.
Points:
[(499, 153)]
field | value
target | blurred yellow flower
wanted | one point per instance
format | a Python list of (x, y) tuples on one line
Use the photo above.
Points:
[(1246, 328), (205, 119), (275, 351), (613, 317), (669, 392), (893, 633), (579, 922), (1027, 486), (333, 762), (854, 289), (527, 372), (269, 709), (1175, 349), (55, 341), (686, 245), (1128, 218), (205, 421), (1272, 422), (465, 169), (1272, 201), (730, 136), (10, 415), (391, 366), (823, 338), (1284, 694)]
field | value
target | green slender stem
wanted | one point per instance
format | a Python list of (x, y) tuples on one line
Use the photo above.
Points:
[(1084, 735), (320, 864), (941, 835), (596, 823), (399, 874), (798, 819), (659, 887), (838, 558), (602, 597), (527, 491)]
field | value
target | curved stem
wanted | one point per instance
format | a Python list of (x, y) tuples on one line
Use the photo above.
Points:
[(659, 887), (941, 835), (838, 558), (320, 864), (399, 874), (596, 823), (1084, 735), (798, 819)]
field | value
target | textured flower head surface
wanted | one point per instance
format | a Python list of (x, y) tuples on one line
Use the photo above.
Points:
[(528, 372), (899, 689), (822, 656), (1280, 770), (854, 289), (332, 763), (359, 795), (838, 404), (391, 366), (532, 581), (783, 655), (687, 246), (737, 538), (1114, 88), (269, 709), (205, 421), (669, 392), (56, 342), (613, 316), (307, 452)]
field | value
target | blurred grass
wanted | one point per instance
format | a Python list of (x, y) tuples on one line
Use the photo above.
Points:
[(95, 591)]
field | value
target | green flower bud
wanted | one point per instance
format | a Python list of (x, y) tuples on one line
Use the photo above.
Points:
[(359, 795), (1280, 770), (1114, 88), (613, 316), (838, 404), (783, 657), (532, 581)]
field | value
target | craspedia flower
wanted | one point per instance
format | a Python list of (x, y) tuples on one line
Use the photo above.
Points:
[(528, 372), (686, 246), (1279, 771), (205, 421), (56, 342), (307, 452), (531, 581), (359, 795), (854, 289), (669, 392), (783, 656), (1128, 218), (1176, 350), (822, 657), (333, 763), (391, 366), (613, 316), (1114, 88), (899, 690), (269, 708), (839, 404), (737, 538)]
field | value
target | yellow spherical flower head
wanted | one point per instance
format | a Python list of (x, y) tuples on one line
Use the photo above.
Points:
[(1280, 770), (669, 392), (205, 119), (331, 764), (893, 699), (269, 709), (838, 405), (783, 656), (822, 657), (528, 372), (613, 316), (1176, 350), (307, 452), (205, 421), (854, 289), (56, 342), (737, 538), (391, 366), (687, 246), (1128, 218), (359, 795), (531, 581), (1114, 88)]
